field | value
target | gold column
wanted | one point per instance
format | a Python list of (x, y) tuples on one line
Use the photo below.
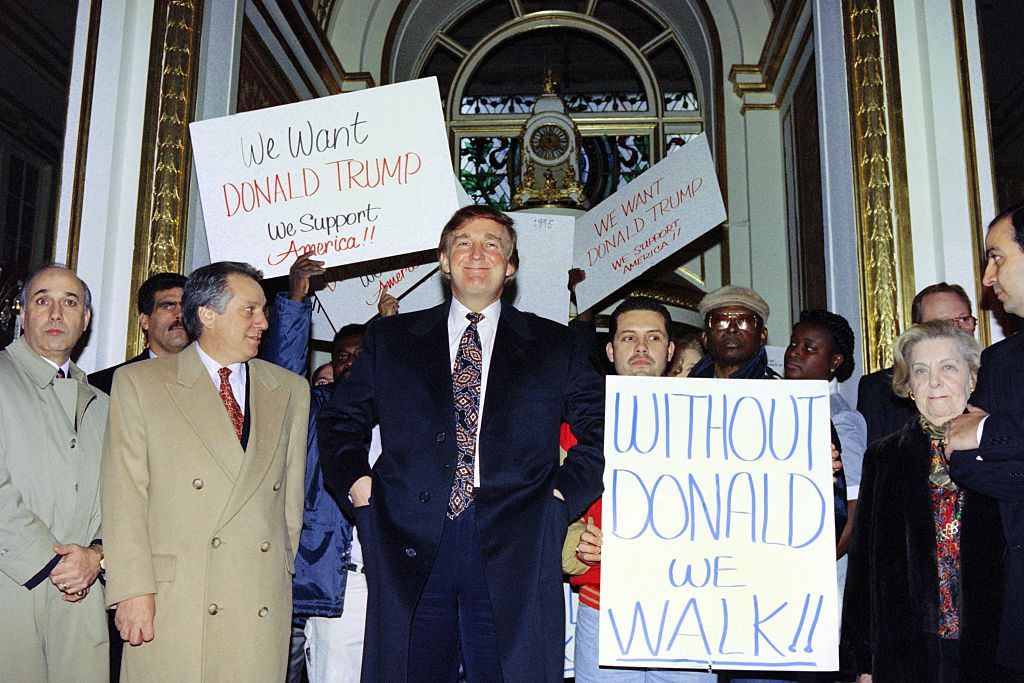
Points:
[(165, 166), (883, 215)]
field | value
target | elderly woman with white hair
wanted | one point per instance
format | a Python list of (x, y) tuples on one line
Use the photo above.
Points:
[(923, 590)]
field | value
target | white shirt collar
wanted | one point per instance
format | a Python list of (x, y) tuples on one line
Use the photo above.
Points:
[(66, 367), (236, 379)]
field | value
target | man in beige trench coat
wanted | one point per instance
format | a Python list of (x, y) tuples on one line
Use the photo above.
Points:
[(202, 485), (51, 431)]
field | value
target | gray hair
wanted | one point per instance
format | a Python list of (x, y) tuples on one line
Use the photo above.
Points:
[(966, 344), (23, 292), (207, 286)]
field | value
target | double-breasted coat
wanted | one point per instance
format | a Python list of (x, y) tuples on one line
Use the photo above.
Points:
[(209, 528), (539, 378), (51, 434)]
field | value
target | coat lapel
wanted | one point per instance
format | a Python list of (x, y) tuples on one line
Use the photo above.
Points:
[(506, 359), (198, 401), (268, 401), (432, 342)]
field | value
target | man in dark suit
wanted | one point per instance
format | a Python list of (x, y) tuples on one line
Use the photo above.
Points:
[(159, 304), (994, 425), (465, 511), (884, 411)]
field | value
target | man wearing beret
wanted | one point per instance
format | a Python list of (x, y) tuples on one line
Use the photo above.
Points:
[(734, 335)]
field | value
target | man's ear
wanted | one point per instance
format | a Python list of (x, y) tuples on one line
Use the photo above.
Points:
[(671, 351), (445, 264), (86, 319), (610, 350), (764, 335), (144, 322), (206, 316)]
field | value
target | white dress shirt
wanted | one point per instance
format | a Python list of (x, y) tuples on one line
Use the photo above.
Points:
[(486, 328), (66, 367), (236, 379)]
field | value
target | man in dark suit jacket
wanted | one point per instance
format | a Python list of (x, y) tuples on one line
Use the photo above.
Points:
[(159, 304), (994, 425), (884, 411), (465, 511)]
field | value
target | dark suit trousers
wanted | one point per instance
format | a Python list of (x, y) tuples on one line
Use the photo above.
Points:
[(454, 612)]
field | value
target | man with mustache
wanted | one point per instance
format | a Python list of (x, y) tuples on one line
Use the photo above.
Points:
[(159, 304), (51, 434), (640, 346), (202, 492), (734, 335)]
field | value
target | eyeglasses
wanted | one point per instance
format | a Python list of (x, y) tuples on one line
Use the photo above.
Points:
[(964, 322), (721, 321)]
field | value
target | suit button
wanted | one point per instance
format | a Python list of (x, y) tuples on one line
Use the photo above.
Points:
[(263, 612), (424, 497), (215, 542), (277, 486), (410, 552), (440, 437), (213, 609), (265, 546), (197, 484)]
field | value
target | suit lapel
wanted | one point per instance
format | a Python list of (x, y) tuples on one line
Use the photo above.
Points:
[(268, 403), (432, 343), (198, 401), (506, 358)]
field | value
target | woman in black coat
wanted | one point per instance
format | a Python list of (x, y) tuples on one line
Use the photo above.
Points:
[(923, 591)]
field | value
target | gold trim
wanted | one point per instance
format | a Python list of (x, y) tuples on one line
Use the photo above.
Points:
[(874, 104), (975, 222), (757, 106), (165, 165), (82, 148)]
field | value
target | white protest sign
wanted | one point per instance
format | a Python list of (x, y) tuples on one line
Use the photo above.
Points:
[(719, 535), (352, 177), (671, 204), (572, 606)]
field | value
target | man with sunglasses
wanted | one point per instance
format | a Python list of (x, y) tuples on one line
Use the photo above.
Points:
[(734, 335)]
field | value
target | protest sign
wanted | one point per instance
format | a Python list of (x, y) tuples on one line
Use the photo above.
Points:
[(719, 535), (572, 606), (351, 178), (671, 204)]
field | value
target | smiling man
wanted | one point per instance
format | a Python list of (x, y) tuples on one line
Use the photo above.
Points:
[(159, 304), (465, 511), (202, 487), (51, 433)]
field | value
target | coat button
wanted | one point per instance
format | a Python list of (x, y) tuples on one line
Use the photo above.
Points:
[(263, 612), (410, 552), (277, 486), (440, 437), (215, 542), (213, 609), (424, 497), (197, 484), (265, 546), (74, 442)]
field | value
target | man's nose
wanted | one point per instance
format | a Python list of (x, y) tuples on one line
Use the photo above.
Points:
[(989, 277)]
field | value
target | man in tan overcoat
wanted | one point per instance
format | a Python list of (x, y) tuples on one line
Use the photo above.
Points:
[(52, 626), (202, 484)]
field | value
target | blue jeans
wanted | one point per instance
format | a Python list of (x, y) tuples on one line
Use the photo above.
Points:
[(587, 670)]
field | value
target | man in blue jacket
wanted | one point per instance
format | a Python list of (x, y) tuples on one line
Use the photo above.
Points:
[(329, 589)]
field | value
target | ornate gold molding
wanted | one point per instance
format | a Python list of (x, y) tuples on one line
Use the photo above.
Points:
[(82, 146), (879, 175), (165, 166)]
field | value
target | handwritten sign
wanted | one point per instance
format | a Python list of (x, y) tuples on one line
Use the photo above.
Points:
[(671, 204), (572, 606), (719, 536), (351, 178)]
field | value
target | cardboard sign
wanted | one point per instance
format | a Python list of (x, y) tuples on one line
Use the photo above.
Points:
[(674, 202), (719, 535), (352, 177), (545, 254)]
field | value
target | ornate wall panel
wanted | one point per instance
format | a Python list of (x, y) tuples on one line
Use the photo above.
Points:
[(165, 167)]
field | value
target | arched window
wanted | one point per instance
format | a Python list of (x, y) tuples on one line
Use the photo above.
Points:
[(622, 74)]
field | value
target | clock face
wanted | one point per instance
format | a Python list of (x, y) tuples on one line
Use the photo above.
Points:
[(549, 142)]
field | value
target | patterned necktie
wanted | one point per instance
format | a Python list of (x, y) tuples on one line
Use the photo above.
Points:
[(466, 391), (227, 397), (60, 374)]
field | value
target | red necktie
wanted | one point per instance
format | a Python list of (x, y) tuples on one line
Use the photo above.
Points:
[(227, 397)]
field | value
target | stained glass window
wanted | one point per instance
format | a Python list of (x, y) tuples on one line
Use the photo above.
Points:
[(484, 169)]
